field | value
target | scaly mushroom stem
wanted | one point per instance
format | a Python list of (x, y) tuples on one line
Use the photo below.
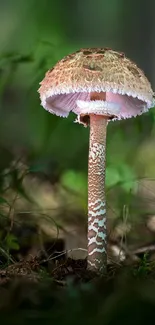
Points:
[(97, 241)]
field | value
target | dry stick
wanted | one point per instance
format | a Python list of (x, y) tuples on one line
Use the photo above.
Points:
[(145, 249), (97, 234), (63, 253)]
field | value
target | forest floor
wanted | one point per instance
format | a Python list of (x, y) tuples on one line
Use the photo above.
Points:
[(65, 292)]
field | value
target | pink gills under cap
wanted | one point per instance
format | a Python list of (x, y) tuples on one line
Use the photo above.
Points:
[(67, 87)]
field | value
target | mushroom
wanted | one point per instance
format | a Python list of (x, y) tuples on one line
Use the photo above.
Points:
[(99, 85)]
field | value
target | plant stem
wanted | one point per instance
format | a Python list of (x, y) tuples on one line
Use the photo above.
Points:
[(97, 233)]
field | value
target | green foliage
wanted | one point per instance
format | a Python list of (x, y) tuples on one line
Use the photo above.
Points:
[(121, 174), (144, 269), (11, 242), (112, 176), (75, 181)]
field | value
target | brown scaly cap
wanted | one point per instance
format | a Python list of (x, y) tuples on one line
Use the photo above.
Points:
[(96, 70)]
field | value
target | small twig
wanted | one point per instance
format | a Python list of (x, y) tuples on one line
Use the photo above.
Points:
[(63, 253), (144, 249)]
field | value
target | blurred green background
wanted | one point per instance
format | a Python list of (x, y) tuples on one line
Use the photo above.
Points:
[(34, 35)]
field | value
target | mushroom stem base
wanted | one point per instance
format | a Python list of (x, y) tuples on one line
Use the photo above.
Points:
[(97, 234)]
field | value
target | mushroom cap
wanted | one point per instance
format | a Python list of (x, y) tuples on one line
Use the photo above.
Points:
[(68, 85)]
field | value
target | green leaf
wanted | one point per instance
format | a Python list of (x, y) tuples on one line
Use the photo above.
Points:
[(121, 174), (127, 177), (112, 176), (11, 242), (76, 181)]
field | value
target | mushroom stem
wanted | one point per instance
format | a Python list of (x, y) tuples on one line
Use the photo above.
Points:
[(97, 234)]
